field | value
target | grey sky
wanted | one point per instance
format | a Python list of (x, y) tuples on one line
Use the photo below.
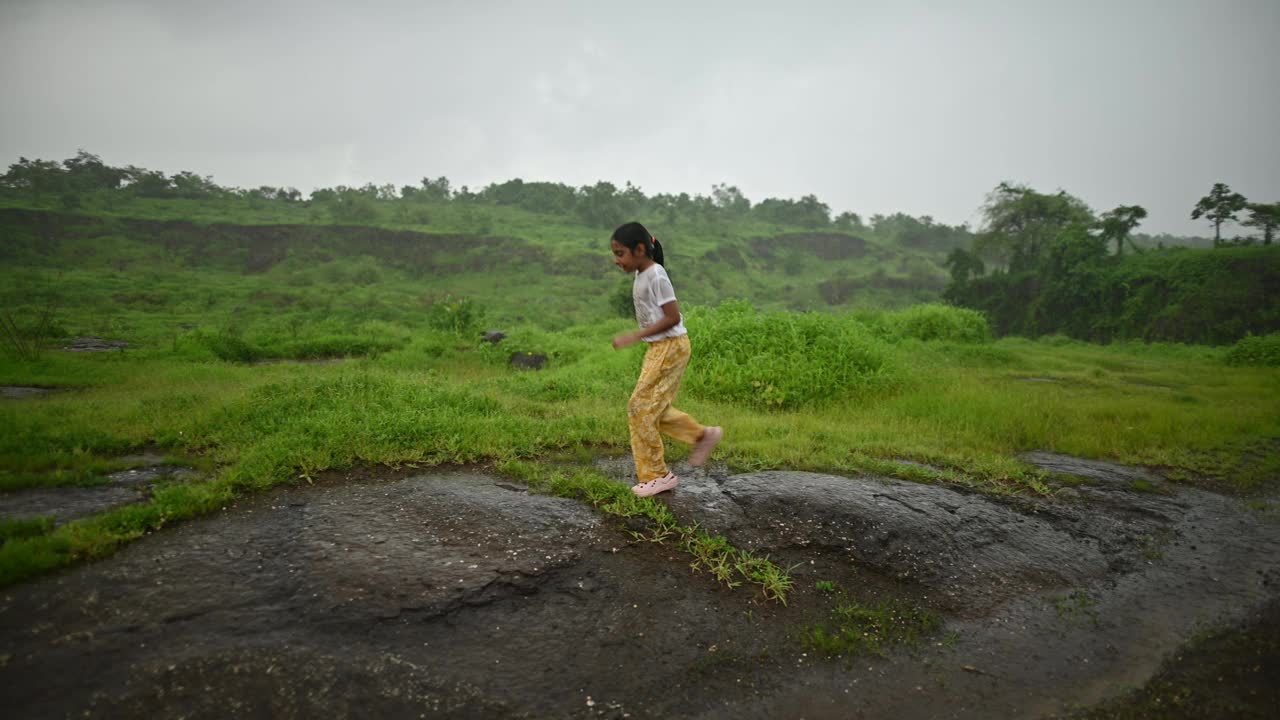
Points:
[(876, 107)]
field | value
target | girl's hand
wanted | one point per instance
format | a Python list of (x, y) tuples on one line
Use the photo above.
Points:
[(621, 341)]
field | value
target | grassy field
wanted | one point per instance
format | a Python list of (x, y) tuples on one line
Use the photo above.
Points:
[(327, 358), (964, 409)]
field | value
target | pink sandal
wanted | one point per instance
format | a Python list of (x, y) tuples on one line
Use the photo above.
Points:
[(655, 486)]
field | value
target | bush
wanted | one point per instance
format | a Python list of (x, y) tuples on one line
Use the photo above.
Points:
[(231, 347), (782, 360), (1255, 350), (940, 322), (460, 316), (622, 299), (336, 347)]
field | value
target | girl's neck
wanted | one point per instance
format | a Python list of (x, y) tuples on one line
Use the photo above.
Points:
[(646, 264)]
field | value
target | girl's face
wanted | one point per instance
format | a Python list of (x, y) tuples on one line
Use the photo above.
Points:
[(629, 259)]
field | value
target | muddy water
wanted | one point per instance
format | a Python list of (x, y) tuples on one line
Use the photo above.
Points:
[(458, 594)]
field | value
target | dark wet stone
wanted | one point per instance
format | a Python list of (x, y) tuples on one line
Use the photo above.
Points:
[(66, 503), (493, 336), (457, 594), (17, 392), (124, 487), (964, 550), (1101, 471), (151, 474), (528, 360), (450, 587), (93, 344)]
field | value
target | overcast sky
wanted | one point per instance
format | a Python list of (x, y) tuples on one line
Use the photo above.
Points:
[(875, 107)]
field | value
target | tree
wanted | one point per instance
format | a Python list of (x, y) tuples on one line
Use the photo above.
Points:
[(1219, 206), (438, 189), (37, 177), (730, 200), (849, 221), (1020, 223), (1117, 224), (148, 183), (602, 206), (1265, 217), (963, 265), (87, 172), (807, 212), (190, 185)]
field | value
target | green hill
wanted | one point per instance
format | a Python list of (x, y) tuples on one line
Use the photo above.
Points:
[(527, 251), (108, 267)]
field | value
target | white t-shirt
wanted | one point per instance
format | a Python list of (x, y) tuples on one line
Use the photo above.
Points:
[(652, 290)]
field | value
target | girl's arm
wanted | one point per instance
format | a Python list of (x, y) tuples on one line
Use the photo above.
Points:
[(670, 318)]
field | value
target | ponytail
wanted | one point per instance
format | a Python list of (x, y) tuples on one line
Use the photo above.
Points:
[(633, 235)]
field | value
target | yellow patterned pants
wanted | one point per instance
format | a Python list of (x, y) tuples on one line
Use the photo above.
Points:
[(650, 412)]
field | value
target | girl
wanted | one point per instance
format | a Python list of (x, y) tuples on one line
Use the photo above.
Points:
[(661, 326)]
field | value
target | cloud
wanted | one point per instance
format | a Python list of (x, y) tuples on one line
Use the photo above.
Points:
[(919, 107)]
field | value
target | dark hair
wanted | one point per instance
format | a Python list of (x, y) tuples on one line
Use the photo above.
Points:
[(633, 235)]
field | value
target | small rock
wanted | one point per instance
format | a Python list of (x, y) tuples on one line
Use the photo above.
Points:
[(528, 361), (494, 336), (93, 344)]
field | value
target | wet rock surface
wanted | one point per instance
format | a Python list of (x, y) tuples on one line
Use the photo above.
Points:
[(528, 360), (1100, 472), (20, 392), (124, 487), (964, 552), (93, 344), (459, 594)]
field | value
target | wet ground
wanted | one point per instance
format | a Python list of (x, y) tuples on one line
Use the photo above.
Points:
[(22, 392), (124, 487), (460, 594)]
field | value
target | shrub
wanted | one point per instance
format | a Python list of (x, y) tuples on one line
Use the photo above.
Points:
[(622, 300), (228, 345), (336, 346), (457, 315), (1255, 350), (940, 322), (782, 360)]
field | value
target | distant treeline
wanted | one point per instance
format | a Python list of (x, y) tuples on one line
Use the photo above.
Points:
[(76, 182), (1055, 266), (1056, 274)]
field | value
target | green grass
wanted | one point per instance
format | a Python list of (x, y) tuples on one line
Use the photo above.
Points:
[(444, 398), (24, 528), (221, 369), (875, 628), (1077, 607)]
